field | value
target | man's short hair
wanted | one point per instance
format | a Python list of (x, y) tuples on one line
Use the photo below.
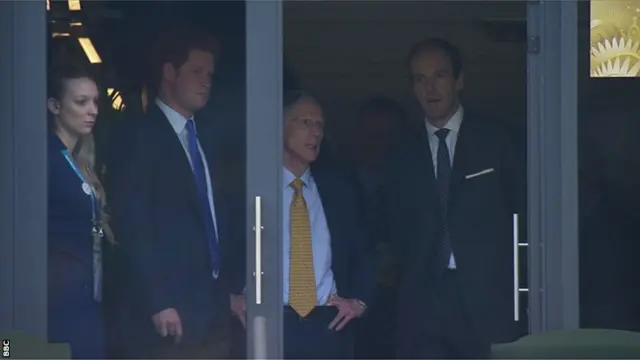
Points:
[(291, 98), (438, 44), (174, 46)]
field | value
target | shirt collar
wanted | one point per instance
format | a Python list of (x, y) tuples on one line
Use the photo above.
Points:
[(288, 177), (453, 124), (177, 121)]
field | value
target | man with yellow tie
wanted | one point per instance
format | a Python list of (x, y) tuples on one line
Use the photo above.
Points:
[(328, 269)]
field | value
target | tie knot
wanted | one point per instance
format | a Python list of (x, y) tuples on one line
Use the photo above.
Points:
[(442, 133), (191, 125), (297, 184)]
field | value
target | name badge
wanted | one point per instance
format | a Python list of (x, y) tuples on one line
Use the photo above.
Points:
[(86, 188)]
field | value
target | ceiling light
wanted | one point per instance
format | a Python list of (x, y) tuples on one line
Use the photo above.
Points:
[(75, 24), (59, 34), (89, 50), (74, 5), (116, 99)]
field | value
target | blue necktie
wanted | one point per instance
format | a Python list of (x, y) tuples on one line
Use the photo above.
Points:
[(442, 181), (203, 195)]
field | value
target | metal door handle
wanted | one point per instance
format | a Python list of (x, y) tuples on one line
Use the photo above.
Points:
[(258, 232), (516, 268)]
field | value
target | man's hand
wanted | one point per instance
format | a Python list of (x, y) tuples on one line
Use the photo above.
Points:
[(348, 309), (239, 308), (167, 323)]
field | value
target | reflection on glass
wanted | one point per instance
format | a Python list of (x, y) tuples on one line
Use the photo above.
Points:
[(90, 50)]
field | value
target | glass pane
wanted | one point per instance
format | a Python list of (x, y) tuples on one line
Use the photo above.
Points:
[(352, 57), (609, 171), (264, 178), (175, 189), (23, 182)]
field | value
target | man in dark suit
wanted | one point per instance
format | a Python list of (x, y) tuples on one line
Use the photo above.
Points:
[(452, 190), (172, 226), (380, 120), (328, 268)]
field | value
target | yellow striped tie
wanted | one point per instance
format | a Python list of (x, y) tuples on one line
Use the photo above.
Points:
[(302, 281)]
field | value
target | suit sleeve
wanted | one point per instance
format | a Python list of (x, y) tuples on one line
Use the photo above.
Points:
[(361, 254), (132, 203), (390, 213)]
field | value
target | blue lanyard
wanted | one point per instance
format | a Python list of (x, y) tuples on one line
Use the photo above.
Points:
[(97, 228)]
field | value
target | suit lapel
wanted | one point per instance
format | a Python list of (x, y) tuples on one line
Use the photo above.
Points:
[(174, 156), (464, 153), (425, 173), (214, 165)]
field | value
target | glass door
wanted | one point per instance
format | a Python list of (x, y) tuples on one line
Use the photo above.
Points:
[(609, 163), (582, 77), (264, 172), (552, 233), (23, 186), (353, 56), (239, 130)]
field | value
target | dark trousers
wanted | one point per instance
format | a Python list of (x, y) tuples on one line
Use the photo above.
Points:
[(209, 349), (216, 345), (310, 337), (375, 332), (449, 333), (238, 340), (139, 340)]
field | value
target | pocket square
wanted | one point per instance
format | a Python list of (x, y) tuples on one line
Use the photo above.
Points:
[(486, 171)]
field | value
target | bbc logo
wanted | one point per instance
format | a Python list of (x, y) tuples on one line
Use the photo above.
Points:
[(6, 346)]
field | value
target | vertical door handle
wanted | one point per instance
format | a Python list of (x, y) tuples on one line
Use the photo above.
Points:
[(258, 232), (516, 270)]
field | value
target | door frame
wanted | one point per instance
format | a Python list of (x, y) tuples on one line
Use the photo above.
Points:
[(23, 160), (552, 167), (552, 158), (264, 178)]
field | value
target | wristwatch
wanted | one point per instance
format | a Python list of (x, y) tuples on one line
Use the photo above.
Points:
[(361, 303)]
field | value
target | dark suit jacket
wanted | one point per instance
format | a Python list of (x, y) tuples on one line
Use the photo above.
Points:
[(160, 228), (480, 223), (70, 260), (352, 259)]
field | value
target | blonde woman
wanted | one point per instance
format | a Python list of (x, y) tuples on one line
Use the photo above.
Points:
[(77, 223)]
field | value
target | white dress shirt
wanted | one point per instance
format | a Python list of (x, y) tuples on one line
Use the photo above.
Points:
[(453, 124), (320, 236), (179, 124)]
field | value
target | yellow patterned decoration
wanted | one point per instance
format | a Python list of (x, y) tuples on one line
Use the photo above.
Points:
[(615, 38)]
